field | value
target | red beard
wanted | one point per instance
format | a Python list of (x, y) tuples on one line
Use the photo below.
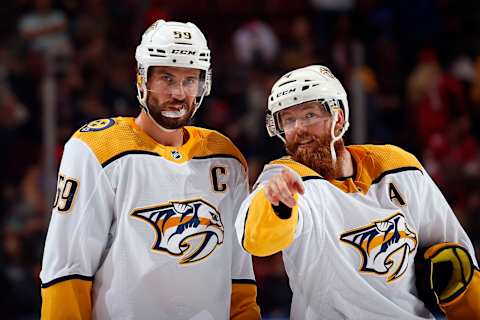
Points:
[(316, 155)]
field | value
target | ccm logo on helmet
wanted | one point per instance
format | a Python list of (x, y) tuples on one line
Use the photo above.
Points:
[(185, 52), (286, 92)]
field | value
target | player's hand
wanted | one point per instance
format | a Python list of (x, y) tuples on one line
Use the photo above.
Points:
[(282, 188), (444, 272)]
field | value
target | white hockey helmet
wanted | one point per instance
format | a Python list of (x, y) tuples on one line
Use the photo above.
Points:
[(173, 44), (311, 83)]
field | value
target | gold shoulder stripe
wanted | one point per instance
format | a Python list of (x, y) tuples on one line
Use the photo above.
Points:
[(396, 170), (301, 169), (374, 162), (214, 145), (111, 139), (118, 138)]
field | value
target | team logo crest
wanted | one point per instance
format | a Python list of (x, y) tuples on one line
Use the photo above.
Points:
[(190, 230), (326, 72), (386, 246), (97, 125)]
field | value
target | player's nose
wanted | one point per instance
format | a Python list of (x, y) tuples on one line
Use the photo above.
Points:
[(299, 127), (178, 91)]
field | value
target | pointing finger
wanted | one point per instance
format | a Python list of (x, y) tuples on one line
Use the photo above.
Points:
[(294, 183)]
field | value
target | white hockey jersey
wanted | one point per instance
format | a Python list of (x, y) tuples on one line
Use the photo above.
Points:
[(152, 226), (349, 245)]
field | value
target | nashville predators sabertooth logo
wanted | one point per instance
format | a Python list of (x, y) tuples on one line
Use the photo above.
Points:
[(386, 246), (190, 230)]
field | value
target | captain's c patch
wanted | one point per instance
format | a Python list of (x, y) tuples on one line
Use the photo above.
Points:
[(386, 246)]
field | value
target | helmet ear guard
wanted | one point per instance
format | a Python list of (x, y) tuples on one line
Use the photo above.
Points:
[(141, 86), (208, 82), (270, 123)]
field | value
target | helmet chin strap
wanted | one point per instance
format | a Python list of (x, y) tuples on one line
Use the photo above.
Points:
[(197, 105), (334, 137)]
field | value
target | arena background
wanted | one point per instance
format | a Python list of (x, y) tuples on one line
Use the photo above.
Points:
[(411, 68)]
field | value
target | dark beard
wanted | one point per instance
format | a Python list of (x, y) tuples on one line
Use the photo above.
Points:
[(169, 123), (316, 155)]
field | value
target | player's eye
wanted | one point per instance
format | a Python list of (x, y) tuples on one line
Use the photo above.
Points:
[(288, 120), (168, 79), (190, 81), (311, 115)]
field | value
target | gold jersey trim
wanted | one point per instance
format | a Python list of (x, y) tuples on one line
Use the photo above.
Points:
[(124, 137), (371, 164)]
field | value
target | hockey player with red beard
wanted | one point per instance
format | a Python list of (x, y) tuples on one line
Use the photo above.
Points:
[(350, 220)]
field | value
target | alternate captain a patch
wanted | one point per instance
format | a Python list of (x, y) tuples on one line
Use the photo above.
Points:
[(97, 125), (386, 246), (395, 196), (191, 230)]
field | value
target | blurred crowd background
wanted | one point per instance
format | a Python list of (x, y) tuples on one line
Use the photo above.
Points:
[(413, 65)]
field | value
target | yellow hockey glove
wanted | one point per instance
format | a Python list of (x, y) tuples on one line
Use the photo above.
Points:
[(449, 270)]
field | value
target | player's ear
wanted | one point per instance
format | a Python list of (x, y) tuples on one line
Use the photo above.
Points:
[(340, 120)]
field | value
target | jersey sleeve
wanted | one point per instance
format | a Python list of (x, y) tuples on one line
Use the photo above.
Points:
[(438, 223), (244, 289), (77, 235), (260, 230)]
